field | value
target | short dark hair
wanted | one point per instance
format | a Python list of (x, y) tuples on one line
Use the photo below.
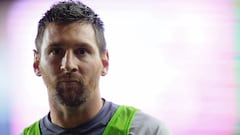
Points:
[(66, 12)]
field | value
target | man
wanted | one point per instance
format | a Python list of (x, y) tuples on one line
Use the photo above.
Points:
[(71, 56)]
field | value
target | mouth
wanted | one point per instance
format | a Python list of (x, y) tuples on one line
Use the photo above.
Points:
[(68, 81), (69, 85)]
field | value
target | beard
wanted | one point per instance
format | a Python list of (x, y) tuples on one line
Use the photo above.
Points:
[(71, 94)]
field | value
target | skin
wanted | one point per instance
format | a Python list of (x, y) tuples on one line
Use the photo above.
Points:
[(70, 64)]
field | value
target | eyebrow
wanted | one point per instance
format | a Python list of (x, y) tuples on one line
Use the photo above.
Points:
[(77, 45), (55, 44)]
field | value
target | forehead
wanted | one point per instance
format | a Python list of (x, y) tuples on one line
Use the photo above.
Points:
[(69, 34)]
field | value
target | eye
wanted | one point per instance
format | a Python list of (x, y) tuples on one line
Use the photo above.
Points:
[(56, 51), (81, 51)]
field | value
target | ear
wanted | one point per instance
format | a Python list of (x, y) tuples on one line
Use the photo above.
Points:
[(36, 63), (105, 63)]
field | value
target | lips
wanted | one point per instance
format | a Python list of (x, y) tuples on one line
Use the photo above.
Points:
[(69, 85), (69, 78), (69, 81)]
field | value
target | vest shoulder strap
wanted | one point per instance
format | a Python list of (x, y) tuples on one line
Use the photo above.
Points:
[(33, 129), (121, 121)]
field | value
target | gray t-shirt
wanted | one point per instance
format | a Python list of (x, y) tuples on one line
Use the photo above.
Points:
[(143, 124)]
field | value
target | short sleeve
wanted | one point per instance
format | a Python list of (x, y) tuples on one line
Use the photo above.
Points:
[(144, 124)]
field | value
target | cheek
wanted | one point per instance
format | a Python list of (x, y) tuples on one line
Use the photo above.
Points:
[(95, 68), (91, 72), (51, 66), (49, 74), (92, 79)]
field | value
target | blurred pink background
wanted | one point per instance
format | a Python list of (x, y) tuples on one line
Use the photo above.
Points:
[(175, 60)]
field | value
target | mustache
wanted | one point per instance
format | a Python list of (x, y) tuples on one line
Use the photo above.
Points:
[(70, 77)]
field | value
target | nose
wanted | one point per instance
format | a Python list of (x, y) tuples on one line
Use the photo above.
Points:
[(68, 63)]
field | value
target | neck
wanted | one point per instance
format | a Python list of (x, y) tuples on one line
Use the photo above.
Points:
[(70, 117)]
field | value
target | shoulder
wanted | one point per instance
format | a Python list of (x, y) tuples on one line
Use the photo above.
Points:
[(144, 124), (32, 129)]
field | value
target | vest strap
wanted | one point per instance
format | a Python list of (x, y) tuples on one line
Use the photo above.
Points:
[(34, 129), (121, 121)]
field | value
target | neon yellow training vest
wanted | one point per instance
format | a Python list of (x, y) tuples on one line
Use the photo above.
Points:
[(119, 124)]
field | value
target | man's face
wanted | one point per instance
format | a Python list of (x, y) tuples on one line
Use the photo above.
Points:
[(70, 63)]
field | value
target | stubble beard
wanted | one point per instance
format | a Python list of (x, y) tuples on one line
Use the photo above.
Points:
[(72, 94)]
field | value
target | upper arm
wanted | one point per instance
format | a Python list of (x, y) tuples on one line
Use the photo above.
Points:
[(144, 124)]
